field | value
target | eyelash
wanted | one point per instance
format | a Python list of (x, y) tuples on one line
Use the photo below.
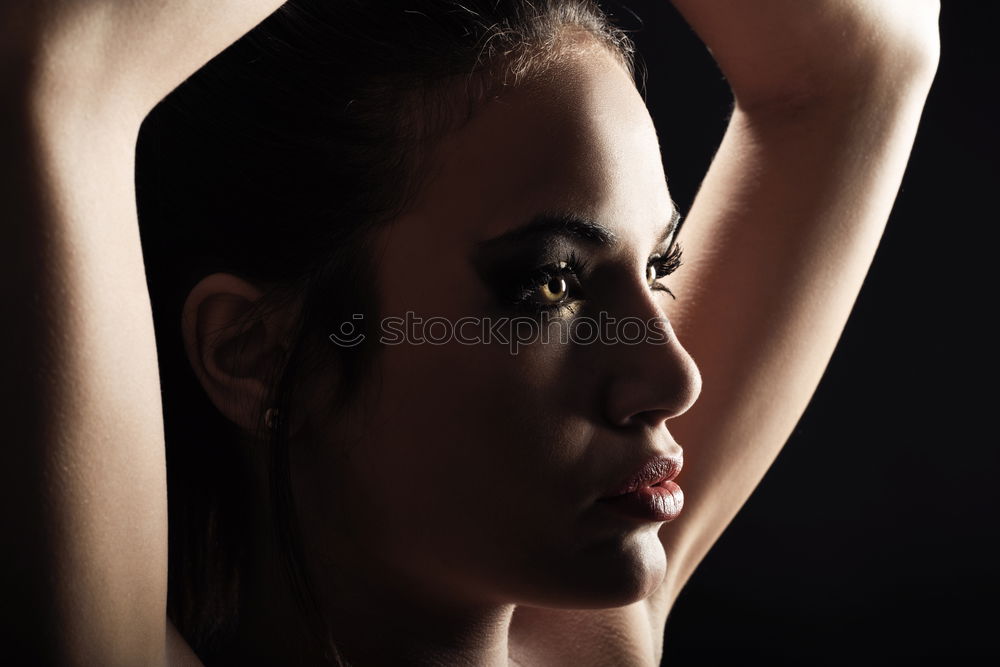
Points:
[(576, 266), (665, 265)]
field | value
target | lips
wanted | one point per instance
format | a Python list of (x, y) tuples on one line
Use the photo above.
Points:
[(662, 502), (649, 494), (655, 471)]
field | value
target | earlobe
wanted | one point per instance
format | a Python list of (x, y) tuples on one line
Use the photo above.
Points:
[(231, 355)]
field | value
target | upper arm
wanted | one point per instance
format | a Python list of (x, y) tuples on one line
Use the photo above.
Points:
[(84, 488), (777, 245), (83, 500)]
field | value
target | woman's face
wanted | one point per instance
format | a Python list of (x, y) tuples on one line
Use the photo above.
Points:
[(480, 461)]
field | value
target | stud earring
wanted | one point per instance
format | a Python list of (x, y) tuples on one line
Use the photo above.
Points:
[(271, 416)]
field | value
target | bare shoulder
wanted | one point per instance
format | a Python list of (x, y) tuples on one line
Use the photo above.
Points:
[(179, 653)]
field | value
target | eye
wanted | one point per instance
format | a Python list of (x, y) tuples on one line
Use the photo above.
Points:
[(554, 291), (552, 287), (651, 275)]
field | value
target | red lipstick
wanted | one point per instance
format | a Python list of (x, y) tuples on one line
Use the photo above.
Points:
[(650, 494)]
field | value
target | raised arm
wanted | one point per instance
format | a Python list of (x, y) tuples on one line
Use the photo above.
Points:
[(783, 230), (83, 504)]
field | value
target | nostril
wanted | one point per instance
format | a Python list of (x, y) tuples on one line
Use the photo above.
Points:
[(651, 418)]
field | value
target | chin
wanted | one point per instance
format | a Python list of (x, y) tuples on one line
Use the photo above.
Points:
[(612, 573)]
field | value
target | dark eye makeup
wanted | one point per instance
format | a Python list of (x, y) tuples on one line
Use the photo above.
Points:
[(558, 285), (535, 291)]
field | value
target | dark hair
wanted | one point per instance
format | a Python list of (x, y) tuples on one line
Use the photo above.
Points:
[(275, 162)]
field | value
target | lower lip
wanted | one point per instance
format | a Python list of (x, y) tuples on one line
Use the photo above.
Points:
[(662, 502)]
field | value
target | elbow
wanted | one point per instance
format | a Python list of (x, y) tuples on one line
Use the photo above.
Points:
[(883, 50)]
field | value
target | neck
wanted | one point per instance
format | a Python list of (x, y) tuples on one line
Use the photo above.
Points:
[(373, 618), (370, 623), (382, 628)]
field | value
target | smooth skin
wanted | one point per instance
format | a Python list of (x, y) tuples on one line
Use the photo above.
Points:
[(828, 98)]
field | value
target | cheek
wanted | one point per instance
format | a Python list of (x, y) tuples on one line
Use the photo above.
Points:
[(461, 412), (476, 473), (486, 446)]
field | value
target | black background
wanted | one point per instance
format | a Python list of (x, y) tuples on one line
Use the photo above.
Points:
[(885, 564)]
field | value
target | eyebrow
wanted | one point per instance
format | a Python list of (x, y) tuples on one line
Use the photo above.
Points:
[(554, 224)]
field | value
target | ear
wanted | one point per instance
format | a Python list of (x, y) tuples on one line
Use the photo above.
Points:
[(232, 358)]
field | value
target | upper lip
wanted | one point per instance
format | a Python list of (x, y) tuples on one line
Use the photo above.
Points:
[(654, 471)]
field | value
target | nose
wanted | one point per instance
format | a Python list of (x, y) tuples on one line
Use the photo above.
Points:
[(651, 380)]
